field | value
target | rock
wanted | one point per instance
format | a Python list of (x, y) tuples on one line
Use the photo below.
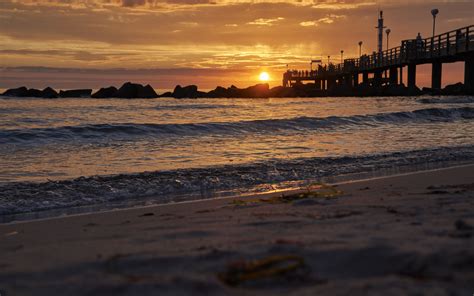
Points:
[(218, 92), (34, 93), (16, 92), (167, 94), (256, 91), (281, 92), (454, 89), (133, 90), (146, 92), (75, 93), (49, 93), (106, 92), (190, 91)]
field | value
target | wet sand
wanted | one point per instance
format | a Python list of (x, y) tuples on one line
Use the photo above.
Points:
[(392, 236)]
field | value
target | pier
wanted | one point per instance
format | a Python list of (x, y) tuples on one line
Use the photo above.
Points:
[(386, 67)]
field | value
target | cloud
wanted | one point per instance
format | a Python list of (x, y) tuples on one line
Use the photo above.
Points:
[(329, 19), (341, 5), (265, 21)]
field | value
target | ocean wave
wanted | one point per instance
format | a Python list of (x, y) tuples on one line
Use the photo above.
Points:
[(171, 186), (131, 131), (448, 100), (192, 107)]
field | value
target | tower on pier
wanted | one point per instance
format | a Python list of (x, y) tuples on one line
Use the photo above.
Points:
[(380, 28)]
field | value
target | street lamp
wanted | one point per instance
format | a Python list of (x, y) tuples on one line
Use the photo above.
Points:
[(329, 59), (388, 33), (360, 49), (342, 56), (434, 13)]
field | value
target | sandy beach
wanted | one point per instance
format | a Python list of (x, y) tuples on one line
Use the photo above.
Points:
[(402, 235)]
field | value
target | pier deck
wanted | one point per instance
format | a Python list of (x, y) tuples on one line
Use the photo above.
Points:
[(449, 47)]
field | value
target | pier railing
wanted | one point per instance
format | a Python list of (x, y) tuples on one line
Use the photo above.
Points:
[(445, 45)]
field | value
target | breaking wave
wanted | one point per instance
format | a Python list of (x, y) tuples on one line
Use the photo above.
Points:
[(128, 130), (171, 186), (448, 100)]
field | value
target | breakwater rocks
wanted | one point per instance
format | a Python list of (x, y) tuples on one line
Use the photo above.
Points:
[(137, 91)]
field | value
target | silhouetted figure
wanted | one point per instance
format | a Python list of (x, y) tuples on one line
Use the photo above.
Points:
[(419, 44)]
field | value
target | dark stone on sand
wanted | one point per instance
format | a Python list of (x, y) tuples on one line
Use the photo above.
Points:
[(75, 93), (133, 90), (16, 92), (106, 92)]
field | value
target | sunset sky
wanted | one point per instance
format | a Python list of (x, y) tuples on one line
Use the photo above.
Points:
[(94, 43)]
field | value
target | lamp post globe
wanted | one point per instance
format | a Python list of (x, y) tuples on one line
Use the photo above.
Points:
[(434, 13), (388, 31)]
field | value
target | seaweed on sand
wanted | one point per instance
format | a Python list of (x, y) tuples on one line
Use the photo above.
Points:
[(315, 190), (275, 266)]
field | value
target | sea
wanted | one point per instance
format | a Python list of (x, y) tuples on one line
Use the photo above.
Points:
[(76, 155)]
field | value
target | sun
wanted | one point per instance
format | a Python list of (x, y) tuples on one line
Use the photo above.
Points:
[(264, 76)]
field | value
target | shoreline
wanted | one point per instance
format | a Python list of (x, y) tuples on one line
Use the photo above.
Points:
[(288, 191), (396, 235)]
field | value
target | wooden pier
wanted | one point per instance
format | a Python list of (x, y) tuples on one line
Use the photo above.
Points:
[(386, 67)]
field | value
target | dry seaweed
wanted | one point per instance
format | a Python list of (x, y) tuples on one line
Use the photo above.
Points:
[(270, 267), (315, 190)]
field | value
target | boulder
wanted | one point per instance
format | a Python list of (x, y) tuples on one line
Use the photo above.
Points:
[(257, 91), (219, 92), (454, 89), (190, 91), (146, 92), (106, 92), (134, 90), (49, 93), (16, 92), (75, 93), (34, 93), (167, 94)]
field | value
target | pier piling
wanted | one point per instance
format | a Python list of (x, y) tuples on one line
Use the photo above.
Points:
[(436, 75), (469, 74)]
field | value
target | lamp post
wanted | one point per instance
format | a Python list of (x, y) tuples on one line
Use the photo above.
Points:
[(329, 59), (342, 56), (434, 13), (388, 31), (360, 49)]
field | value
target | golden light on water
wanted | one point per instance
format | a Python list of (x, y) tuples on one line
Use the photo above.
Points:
[(264, 76)]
